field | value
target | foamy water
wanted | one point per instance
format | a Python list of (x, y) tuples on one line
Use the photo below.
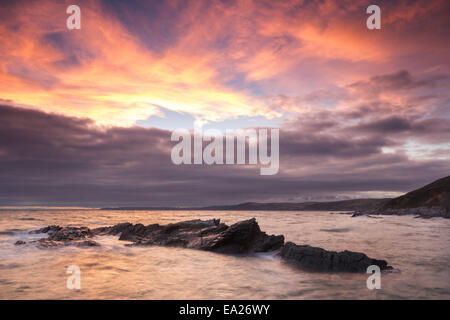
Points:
[(418, 248)]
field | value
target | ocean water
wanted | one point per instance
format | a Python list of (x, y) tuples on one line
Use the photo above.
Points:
[(419, 250)]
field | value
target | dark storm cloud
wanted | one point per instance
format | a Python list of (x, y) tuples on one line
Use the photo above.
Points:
[(59, 160), (401, 80), (152, 22), (385, 110), (431, 130), (73, 56), (389, 125), (311, 144)]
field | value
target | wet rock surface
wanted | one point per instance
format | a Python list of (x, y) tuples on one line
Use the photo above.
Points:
[(211, 235), (318, 259), (57, 236)]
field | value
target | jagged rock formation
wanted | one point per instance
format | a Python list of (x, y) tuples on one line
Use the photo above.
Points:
[(212, 235), (77, 236)]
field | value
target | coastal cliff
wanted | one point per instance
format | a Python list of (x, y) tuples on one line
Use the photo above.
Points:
[(432, 200)]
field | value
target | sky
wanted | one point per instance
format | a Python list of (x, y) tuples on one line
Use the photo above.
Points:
[(86, 115)]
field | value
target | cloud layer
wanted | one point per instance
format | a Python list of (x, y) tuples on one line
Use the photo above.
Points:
[(83, 112), (216, 59), (52, 159)]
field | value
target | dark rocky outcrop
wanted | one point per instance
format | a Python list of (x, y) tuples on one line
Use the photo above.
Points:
[(69, 234), (212, 235), (318, 259), (75, 236), (46, 229)]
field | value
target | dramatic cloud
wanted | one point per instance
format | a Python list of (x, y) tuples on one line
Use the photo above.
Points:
[(83, 112), (213, 59), (47, 158)]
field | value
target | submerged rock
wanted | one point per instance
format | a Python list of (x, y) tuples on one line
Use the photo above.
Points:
[(19, 242), (318, 259), (420, 212), (212, 235), (47, 243)]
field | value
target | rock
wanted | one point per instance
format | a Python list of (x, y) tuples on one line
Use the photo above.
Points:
[(70, 233), (86, 243), (211, 235), (243, 237), (318, 259), (133, 232), (47, 243), (19, 242), (57, 236), (114, 230), (358, 214), (46, 229), (364, 214)]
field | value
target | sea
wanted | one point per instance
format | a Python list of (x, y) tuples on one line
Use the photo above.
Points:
[(418, 249)]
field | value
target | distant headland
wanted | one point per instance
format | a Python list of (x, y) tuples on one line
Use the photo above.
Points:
[(432, 200)]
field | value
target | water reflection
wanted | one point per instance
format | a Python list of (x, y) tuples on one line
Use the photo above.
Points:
[(419, 248)]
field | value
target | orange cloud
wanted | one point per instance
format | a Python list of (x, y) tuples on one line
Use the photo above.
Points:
[(229, 59), (121, 82)]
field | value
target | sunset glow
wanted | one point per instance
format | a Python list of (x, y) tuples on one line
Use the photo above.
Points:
[(337, 90)]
